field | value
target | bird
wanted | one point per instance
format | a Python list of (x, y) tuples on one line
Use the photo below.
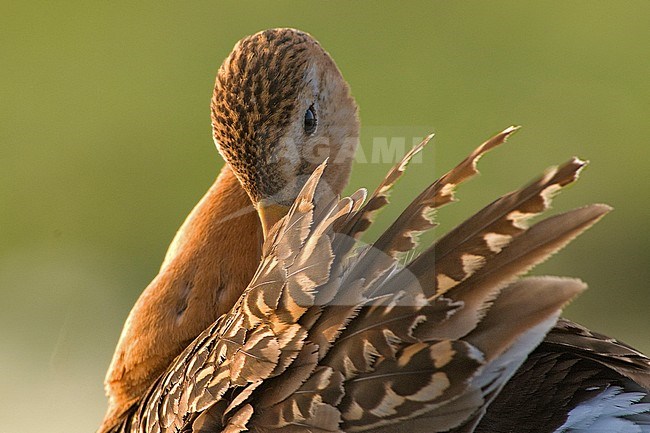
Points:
[(333, 335)]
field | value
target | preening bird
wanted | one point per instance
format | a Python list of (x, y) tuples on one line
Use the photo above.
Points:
[(328, 334)]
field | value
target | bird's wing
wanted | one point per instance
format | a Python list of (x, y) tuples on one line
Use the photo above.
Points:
[(575, 381), (360, 221), (331, 336), (612, 354)]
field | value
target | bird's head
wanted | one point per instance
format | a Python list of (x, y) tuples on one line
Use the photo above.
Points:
[(281, 107)]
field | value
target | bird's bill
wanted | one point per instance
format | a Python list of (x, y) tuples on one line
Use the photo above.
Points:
[(270, 214)]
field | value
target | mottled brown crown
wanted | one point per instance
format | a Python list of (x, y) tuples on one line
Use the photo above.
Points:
[(261, 93)]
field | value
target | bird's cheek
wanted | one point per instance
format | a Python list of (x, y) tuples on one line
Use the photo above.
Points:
[(314, 151), (285, 154)]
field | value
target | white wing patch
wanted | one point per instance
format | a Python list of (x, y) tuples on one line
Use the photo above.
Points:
[(611, 411)]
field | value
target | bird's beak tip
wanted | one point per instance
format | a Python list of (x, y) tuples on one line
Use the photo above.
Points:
[(270, 214)]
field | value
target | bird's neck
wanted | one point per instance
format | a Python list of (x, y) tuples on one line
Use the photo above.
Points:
[(215, 252), (209, 263), (223, 222)]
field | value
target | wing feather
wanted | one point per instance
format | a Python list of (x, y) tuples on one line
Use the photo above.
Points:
[(334, 336)]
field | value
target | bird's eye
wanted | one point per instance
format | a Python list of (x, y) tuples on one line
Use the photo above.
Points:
[(310, 120)]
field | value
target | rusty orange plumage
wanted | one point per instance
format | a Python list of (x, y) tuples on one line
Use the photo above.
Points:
[(210, 262)]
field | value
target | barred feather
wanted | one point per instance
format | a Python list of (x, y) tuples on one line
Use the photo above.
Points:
[(379, 198), (416, 218), (472, 244), (326, 340)]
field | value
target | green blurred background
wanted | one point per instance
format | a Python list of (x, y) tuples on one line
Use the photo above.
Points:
[(105, 147)]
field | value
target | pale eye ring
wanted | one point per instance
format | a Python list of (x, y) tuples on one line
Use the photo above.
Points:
[(310, 121)]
